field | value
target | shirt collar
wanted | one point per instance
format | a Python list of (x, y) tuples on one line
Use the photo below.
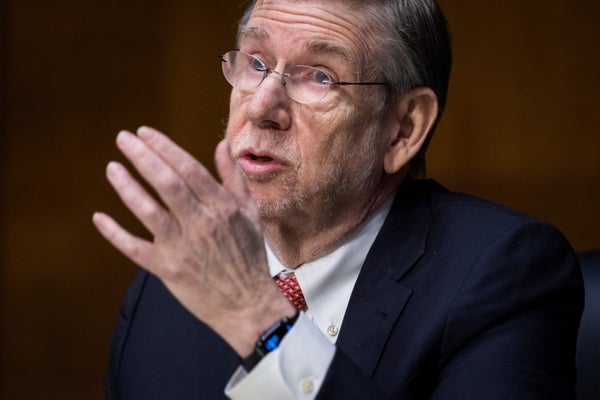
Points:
[(327, 282)]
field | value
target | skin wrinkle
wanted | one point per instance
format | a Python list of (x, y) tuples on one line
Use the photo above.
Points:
[(353, 52), (369, 43), (332, 164), (325, 47), (357, 183), (391, 55), (331, 150), (338, 165)]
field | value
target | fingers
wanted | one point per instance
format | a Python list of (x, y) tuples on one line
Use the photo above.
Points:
[(206, 189), (193, 173), (162, 176), (230, 173), (148, 211), (208, 245), (138, 250)]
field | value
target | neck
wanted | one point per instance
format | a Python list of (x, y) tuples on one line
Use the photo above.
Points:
[(307, 236)]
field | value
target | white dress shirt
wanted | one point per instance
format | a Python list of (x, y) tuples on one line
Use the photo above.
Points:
[(298, 367)]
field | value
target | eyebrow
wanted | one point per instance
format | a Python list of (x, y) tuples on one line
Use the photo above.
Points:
[(318, 46), (326, 47), (253, 32)]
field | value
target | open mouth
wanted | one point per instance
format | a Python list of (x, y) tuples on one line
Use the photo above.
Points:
[(259, 164), (254, 157)]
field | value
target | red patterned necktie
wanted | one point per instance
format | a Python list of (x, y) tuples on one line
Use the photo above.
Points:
[(291, 289)]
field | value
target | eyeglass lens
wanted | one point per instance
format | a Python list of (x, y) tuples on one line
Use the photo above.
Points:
[(302, 83)]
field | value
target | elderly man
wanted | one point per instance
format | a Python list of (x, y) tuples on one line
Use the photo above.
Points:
[(397, 288)]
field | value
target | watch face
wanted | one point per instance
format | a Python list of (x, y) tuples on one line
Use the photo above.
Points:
[(272, 338), (272, 342), (269, 341)]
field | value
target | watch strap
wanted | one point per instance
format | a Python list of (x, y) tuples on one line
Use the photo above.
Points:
[(269, 341)]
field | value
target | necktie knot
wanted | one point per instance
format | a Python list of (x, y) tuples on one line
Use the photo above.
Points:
[(290, 287)]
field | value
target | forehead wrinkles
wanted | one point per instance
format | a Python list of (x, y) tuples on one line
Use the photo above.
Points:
[(316, 45), (335, 30)]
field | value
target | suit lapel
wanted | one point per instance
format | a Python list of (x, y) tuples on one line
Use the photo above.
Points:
[(379, 297)]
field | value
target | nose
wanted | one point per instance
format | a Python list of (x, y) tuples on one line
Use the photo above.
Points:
[(268, 105), (280, 76)]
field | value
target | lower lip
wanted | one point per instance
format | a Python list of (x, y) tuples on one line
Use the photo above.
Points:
[(257, 169)]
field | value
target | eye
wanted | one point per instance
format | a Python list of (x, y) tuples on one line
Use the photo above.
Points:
[(258, 65), (321, 77)]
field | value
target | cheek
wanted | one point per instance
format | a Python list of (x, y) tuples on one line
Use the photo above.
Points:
[(237, 117), (351, 140), (315, 134), (338, 131), (323, 147)]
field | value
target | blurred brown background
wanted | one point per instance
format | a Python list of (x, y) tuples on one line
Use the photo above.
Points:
[(521, 128)]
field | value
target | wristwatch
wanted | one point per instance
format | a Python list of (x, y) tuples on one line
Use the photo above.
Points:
[(269, 341)]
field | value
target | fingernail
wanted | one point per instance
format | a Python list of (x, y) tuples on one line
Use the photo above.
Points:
[(144, 132), (112, 168), (123, 136)]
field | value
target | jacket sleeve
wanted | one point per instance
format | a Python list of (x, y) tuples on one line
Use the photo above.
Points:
[(121, 332)]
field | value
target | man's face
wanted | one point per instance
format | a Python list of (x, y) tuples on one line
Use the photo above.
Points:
[(306, 160)]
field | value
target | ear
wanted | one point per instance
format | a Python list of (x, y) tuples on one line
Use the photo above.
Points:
[(414, 115)]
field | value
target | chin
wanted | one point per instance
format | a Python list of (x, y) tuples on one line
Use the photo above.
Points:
[(272, 209), (277, 207)]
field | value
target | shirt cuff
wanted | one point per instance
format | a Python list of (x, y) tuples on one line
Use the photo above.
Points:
[(295, 370)]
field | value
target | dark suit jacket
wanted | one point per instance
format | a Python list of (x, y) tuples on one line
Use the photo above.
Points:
[(458, 299)]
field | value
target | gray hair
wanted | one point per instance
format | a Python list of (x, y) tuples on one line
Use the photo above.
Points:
[(411, 49)]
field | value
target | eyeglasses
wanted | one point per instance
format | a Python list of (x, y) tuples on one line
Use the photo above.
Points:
[(301, 83)]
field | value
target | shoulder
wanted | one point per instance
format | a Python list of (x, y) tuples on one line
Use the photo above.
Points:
[(449, 204), (459, 228), (456, 215), (485, 241)]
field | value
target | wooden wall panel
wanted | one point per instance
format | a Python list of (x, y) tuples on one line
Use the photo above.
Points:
[(522, 120), (520, 128), (76, 73)]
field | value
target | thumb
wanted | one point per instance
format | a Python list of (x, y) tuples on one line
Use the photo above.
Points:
[(230, 173)]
